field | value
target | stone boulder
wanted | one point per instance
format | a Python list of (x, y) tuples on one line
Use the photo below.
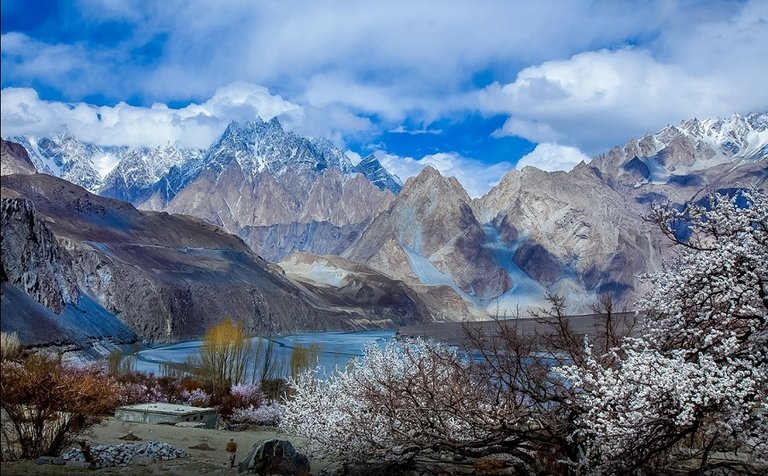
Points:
[(275, 457)]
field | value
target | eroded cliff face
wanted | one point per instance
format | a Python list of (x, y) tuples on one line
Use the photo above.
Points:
[(573, 234), (579, 234), (275, 242), (32, 259), (14, 159)]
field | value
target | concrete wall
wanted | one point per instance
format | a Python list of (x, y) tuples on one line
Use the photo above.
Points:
[(143, 416)]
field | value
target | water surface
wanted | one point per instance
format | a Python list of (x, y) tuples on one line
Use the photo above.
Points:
[(336, 348)]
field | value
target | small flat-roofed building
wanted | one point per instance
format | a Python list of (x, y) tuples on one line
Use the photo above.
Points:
[(167, 413)]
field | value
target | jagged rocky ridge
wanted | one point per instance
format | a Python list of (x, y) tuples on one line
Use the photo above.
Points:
[(257, 177), (14, 159), (135, 177), (261, 177)]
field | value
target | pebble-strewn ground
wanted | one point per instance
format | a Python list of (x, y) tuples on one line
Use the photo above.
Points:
[(198, 462)]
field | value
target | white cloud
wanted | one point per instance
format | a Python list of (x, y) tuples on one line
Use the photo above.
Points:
[(531, 130), (552, 157), (392, 58), (594, 99), (195, 125), (597, 99), (565, 73), (475, 176), (353, 157)]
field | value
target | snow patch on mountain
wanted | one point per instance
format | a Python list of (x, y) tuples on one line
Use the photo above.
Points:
[(526, 292), (692, 146), (142, 167), (428, 274), (64, 156)]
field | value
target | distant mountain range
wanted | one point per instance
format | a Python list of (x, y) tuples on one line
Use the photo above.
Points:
[(254, 178), (352, 236), (579, 233)]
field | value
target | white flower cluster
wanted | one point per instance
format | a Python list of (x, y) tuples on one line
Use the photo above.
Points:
[(390, 402), (700, 366), (265, 415), (197, 396), (249, 393)]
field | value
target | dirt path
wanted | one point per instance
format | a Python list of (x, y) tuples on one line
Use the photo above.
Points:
[(199, 462)]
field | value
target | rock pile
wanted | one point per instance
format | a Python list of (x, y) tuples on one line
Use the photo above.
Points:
[(275, 457), (125, 454)]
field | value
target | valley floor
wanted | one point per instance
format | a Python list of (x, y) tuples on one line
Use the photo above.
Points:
[(200, 461)]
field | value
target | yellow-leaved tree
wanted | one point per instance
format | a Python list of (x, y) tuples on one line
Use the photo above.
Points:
[(224, 356)]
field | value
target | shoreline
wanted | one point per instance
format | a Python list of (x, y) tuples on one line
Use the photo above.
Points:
[(452, 333)]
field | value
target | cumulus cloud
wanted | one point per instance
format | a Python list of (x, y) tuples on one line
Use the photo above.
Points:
[(392, 58), (531, 130), (195, 125), (475, 176), (552, 157), (596, 99), (577, 73)]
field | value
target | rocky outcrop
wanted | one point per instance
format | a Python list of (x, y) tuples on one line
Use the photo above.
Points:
[(39, 296), (275, 457), (275, 242), (65, 156), (32, 259), (372, 169), (235, 199), (135, 177), (14, 159)]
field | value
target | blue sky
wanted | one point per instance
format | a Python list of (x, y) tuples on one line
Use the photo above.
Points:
[(473, 88)]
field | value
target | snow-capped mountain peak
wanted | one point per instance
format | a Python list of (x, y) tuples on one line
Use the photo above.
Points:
[(691, 146), (372, 169), (65, 156), (143, 166), (259, 146)]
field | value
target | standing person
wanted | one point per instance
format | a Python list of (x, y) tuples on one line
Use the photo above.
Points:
[(231, 451)]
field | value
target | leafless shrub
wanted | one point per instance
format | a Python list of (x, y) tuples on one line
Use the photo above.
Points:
[(49, 403), (10, 346)]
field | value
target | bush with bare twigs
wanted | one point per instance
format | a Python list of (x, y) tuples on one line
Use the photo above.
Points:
[(48, 403)]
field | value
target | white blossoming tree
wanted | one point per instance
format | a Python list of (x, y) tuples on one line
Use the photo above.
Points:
[(690, 391), (497, 399), (395, 402)]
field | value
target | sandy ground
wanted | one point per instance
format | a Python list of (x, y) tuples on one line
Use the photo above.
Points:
[(199, 462)]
